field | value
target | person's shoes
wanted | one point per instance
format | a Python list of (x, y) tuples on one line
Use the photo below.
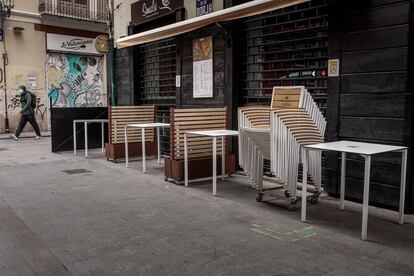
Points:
[(38, 138), (14, 137)]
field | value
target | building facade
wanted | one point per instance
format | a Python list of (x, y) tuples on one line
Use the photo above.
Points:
[(49, 46), (369, 99)]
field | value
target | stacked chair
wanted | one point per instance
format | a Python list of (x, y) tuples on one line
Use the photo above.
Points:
[(254, 140), (294, 121)]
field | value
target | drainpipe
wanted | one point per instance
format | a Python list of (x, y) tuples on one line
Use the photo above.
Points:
[(112, 68), (6, 118)]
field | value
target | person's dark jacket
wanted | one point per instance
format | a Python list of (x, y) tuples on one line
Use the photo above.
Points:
[(26, 102)]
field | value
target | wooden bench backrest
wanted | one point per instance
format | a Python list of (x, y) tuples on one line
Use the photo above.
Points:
[(194, 119), (119, 116), (285, 98)]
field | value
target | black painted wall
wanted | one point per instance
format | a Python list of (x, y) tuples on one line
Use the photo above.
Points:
[(371, 100), (62, 127), (124, 81)]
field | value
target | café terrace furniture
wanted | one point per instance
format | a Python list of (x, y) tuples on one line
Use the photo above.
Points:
[(366, 150), (143, 128), (119, 117), (294, 121), (86, 122), (184, 120), (214, 135)]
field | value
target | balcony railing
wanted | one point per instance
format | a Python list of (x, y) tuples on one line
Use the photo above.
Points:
[(88, 10)]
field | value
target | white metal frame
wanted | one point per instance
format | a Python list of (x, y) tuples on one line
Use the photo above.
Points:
[(366, 150), (86, 122), (214, 134), (157, 126)]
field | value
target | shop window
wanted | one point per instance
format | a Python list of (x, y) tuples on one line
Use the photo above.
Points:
[(285, 47), (155, 79)]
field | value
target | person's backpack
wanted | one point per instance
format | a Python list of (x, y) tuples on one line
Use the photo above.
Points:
[(34, 99)]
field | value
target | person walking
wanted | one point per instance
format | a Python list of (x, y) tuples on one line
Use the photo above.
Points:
[(28, 103)]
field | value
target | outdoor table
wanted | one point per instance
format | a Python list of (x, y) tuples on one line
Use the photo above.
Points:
[(86, 122), (143, 127), (214, 134), (366, 150)]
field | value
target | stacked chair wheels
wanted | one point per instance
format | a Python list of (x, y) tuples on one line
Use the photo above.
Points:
[(278, 133)]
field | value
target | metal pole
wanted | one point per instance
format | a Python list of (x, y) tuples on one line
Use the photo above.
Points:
[(343, 173), (365, 203), (6, 118)]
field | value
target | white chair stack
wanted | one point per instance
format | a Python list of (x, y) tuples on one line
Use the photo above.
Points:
[(254, 140), (295, 121), (277, 133)]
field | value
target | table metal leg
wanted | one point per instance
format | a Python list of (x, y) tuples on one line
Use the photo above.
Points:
[(304, 182), (126, 146), (366, 197), (214, 166), (343, 174), (74, 138), (158, 145), (103, 137), (223, 159), (144, 165), (185, 160), (86, 139), (402, 186)]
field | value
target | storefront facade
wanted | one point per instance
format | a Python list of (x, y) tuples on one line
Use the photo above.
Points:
[(368, 99), (33, 56)]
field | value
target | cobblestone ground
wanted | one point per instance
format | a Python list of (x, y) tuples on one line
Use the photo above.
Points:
[(112, 220)]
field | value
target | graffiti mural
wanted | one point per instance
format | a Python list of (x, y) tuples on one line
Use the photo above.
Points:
[(75, 81)]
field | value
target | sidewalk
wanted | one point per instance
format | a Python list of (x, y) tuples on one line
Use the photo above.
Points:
[(62, 214), (24, 135)]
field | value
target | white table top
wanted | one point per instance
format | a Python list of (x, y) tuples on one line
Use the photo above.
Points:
[(91, 121), (355, 147), (148, 125), (215, 133)]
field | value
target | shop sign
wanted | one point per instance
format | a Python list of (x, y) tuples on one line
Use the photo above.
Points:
[(333, 68), (144, 10), (203, 67), (204, 7), (73, 44)]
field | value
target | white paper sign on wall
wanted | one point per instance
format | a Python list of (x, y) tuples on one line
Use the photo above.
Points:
[(203, 67)]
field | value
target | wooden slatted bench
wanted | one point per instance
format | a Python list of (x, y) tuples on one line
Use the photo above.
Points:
[(119, 116), (200, 148)]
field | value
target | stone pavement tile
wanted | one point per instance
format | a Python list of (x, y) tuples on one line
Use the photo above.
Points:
[(12, 263), (118, 221)]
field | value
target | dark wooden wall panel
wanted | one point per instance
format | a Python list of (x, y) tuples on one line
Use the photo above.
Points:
[(373, 129), (391, 82), (391, 59), (366, 105), (371, 38), (370, 18), (393, 36)]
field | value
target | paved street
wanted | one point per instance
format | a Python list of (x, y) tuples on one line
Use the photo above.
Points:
[(112, 220)]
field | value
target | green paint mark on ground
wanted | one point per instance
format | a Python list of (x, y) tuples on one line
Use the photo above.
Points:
[(289, 236)]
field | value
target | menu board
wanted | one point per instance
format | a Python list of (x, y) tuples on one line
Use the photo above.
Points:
[(203, 67)]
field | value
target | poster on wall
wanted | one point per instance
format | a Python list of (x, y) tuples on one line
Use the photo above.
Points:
[(203, 67), (333, 68), (75, 80)]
